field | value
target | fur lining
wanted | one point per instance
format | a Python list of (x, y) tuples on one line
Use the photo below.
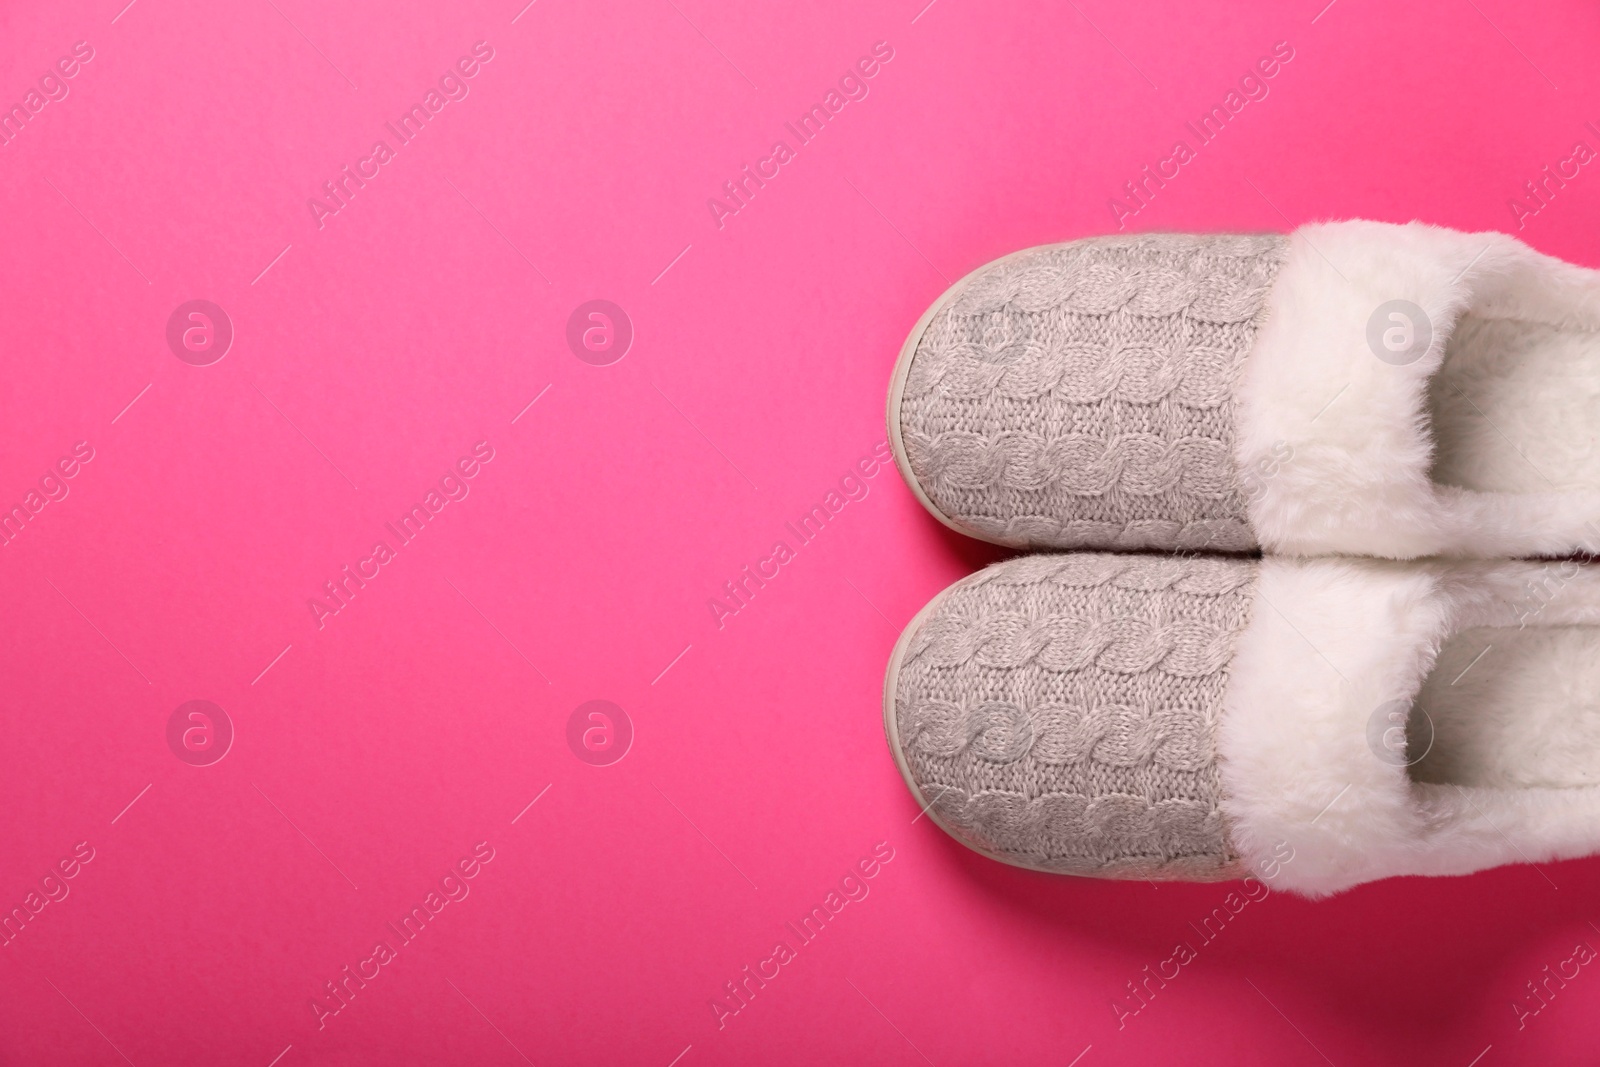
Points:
[(1329, 644), (1336, 445)]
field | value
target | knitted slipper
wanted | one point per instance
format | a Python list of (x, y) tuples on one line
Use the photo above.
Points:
[(1355, 387), (1316, 723)]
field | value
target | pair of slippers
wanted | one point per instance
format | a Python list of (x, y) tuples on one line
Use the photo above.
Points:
[(1279, 619)]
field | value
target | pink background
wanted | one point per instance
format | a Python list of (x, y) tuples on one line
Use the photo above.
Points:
[(423, 718)]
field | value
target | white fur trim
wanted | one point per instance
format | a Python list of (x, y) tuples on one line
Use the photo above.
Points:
[(1329, 643), (1336, 445)]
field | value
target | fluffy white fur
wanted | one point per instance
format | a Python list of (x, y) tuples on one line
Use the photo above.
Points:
[(1331, 641), (1510, 708), (1484, 446)]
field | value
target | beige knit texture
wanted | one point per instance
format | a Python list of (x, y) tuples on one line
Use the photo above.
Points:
[(1060, 711), (1082, 395)]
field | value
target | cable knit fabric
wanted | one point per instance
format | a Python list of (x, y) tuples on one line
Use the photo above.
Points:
[(1080, 395), (1060, 711)]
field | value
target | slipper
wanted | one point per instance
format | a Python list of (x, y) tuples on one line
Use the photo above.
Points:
[(1353, 388), (1313, 723)]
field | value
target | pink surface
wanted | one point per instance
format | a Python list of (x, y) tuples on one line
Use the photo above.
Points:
[(375, 748)]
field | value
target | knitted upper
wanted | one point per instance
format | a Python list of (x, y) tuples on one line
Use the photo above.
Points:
[(1061, 711), (1080, 395)]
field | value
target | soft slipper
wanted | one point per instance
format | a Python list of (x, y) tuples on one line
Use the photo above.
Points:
[(1315, 723), (1355, 387)]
